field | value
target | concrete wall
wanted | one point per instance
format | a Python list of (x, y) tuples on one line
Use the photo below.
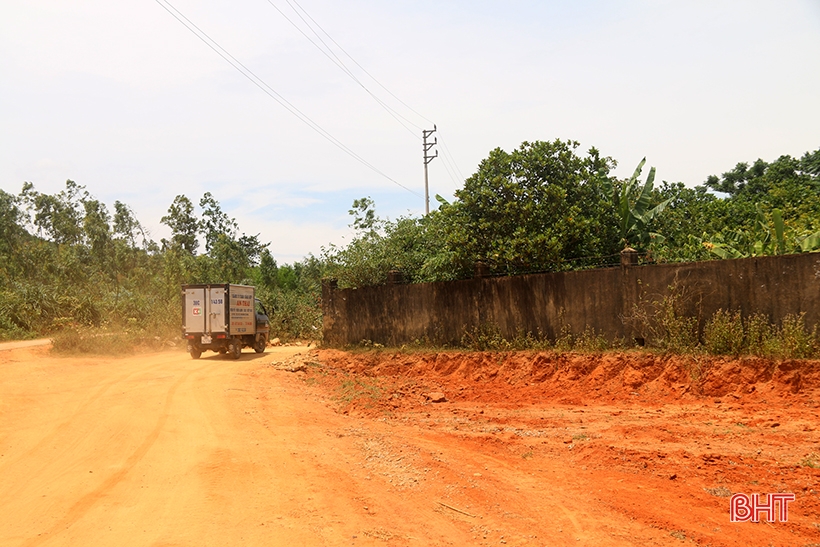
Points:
[(605, 300)]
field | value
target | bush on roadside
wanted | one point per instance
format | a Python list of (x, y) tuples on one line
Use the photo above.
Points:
[(723, 333), (674, 331), (794, 340)]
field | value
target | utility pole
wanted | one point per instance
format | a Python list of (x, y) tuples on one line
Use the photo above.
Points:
[(427, 159)]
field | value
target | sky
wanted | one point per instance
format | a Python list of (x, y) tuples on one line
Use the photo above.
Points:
[(123, 99)]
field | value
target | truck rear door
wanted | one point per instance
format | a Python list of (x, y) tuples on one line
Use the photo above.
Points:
[(195, 310), (216, 310)]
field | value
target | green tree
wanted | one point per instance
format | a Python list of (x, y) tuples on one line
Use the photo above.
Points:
[(184, 225), (753, 209), (215, 222), (127, 227), (380, 245), (789, 184), (97, 229), (57, 217), (268, 271), (690, 213), (540, 207), (11, 230)]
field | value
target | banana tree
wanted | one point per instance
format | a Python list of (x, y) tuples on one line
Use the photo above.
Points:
[(632, 204), (767, 238)]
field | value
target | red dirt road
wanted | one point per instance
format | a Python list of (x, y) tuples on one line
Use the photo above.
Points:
[(163, 450)]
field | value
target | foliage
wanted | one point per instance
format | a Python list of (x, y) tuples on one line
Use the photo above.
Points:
[(723, 333), (537, 208), (68, 264), (292, 296), (380, 246), (104, 341), (632, 204), (541, 207), (668, 328), (795, 341), (758, 209), (674, 331), (729, 334), (184, 226), (68, 261)]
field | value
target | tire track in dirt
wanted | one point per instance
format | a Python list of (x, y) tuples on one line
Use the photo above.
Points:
[(61, 428), (495, 476), (86, 502)]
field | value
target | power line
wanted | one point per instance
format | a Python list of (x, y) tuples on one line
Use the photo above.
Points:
[(360, 66), (328, 52), (268, 90), (450, 164), (452, 158), (448, 167)]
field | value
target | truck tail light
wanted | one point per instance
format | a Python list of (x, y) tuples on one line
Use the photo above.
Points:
[(220, 336)]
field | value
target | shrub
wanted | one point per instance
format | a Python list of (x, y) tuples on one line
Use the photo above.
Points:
[(590, 341), (105, 341), (723, 333), (485, 337), (760, 336), (675, 332), (795, 341)]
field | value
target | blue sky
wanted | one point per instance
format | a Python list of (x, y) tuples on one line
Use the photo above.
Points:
[(121, 98)]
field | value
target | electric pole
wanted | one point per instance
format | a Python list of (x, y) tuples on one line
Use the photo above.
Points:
[(427, 159)]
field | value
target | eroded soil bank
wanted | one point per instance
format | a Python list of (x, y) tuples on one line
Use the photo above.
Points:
[(662, 441)]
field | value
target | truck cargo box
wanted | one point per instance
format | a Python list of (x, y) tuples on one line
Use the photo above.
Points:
[(214, 316)]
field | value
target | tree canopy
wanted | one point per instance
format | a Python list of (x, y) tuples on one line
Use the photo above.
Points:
[(67, 259)]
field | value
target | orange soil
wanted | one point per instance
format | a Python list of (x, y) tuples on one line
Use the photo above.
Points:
[(645, 454), (528, 449)]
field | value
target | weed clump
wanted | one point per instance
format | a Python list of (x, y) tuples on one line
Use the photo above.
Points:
[(355, 389), (723, 333), (667, 328), (727, 333)]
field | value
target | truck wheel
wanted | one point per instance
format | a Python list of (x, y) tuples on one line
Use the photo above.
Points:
[(234, 349), (195, 353), (259, 345)]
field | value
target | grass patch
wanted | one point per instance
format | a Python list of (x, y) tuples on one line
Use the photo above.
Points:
[(354, 389), (662, 325), (13, 333), (811, 461), (102, 341)]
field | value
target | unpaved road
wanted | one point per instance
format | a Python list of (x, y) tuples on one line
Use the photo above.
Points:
[(163, 450)]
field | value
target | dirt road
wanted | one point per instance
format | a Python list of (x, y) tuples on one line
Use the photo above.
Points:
[(163, 450)]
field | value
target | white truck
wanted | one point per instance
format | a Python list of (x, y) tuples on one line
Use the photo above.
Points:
[(223, 318)]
